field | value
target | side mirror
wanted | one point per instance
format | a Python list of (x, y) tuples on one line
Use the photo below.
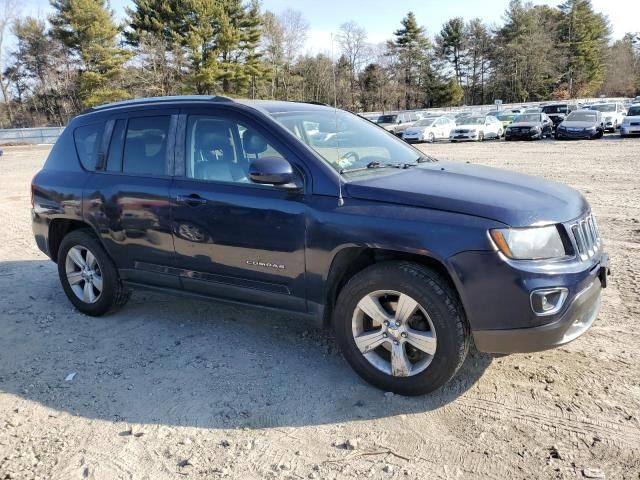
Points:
[(398, 121), (271, 170)]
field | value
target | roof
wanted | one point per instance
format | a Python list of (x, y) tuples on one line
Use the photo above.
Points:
[(270, 106)]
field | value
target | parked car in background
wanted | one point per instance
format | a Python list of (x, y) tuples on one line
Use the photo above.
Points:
[(612, 114), (396, 123), (476, 128), (372, 117), (533, 110), (409, 259), (631, 123), (429, 130), (581, 124), (529, 126), (506, 117), (636, 100), (557, 112)]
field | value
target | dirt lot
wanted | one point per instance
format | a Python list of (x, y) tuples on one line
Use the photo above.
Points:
[(173, 388)]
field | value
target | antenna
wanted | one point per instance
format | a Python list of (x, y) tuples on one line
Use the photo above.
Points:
[(335, 116)]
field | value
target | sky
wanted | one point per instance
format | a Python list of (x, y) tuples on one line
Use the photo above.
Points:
[(381, 17)]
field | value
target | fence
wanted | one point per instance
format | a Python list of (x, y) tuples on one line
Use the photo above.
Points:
[(11, 136), (488, 108)]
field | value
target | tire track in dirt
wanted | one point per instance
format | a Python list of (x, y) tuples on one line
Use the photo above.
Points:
[(612, 433)]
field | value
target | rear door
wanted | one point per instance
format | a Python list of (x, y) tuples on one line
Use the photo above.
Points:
[(127, 199), (235, 239)]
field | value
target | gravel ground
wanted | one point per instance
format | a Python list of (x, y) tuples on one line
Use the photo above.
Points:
[(172, 388)]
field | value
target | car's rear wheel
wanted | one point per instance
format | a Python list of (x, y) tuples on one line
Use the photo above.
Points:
[(401, 327), (88, 276)]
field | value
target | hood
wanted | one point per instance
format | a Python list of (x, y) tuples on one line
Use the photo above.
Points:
[(468, 126), (631, 118), (577, 124), (512, 198), (415, 129)]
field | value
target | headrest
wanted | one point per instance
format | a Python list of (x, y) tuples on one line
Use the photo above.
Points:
[(253, 142)]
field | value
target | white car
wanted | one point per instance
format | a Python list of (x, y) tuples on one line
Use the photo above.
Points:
[(631, 123), (612, 114), (476, 128), (429, 130)]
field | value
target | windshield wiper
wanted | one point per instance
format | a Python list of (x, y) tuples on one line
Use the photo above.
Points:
[(426, 158), (374, 164)]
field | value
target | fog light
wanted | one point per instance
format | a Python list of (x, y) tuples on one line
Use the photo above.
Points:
[(548, 301)]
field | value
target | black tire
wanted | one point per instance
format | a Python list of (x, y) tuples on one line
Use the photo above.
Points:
[(481, 137), (113, 294), (435, 295), (431, 138)]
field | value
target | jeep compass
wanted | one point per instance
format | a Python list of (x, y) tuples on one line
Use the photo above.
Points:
[(315, 211)]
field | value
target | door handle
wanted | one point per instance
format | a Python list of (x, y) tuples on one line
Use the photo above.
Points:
[(193, 200)]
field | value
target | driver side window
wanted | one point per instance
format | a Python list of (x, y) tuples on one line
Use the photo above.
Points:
[(221, 150)]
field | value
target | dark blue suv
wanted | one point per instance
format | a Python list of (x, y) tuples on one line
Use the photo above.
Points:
[(315, 211)]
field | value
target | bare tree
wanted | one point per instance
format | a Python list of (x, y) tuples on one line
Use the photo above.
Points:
[(354, 47), (8, 13)]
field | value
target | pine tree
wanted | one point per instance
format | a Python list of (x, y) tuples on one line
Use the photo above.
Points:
[(452, 44), (88, 30), (411, 47), (585, 35)]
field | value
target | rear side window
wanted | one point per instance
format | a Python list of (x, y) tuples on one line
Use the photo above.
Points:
[(87, 139), (145, 145)]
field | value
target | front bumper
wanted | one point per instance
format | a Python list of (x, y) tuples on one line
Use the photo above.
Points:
[(576, 320), (630, 130), (412, 138), (522, 135), (464, 137), (496, 294), (579, 135)]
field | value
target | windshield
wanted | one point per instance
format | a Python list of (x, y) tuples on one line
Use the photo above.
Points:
[(634, 112), (555, 109), (425, 122), (582, 117), (346, 141), (528, 117), (470, 121), (607, 107), (387, 119)]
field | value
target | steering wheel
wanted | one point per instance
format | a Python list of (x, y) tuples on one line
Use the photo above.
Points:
[(351, 154)]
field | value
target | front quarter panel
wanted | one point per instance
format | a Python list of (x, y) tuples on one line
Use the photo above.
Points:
[(359, 223)]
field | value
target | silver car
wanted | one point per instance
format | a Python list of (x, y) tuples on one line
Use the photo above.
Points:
[(397, 123)]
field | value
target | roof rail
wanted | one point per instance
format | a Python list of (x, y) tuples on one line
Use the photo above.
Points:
[(165, 99)]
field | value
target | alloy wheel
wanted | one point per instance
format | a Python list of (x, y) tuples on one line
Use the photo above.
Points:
[(84, 274), (394, 333)]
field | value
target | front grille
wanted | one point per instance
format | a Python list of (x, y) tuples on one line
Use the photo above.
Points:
[(462, 131), (635, 124), (586, 236)]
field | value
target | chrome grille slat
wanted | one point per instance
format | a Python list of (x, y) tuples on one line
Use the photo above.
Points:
[(586, 236)]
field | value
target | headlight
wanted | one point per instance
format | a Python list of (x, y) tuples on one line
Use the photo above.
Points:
[(536, 128), (473, 130), (532, 243)]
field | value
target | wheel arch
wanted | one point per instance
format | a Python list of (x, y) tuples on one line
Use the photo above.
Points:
[(60, 228), (351, 260)]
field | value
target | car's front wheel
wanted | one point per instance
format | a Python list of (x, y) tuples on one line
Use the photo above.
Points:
[(88, 276), (431, 138), (401, 327)]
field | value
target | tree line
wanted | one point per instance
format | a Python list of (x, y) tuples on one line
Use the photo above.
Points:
[(81, 55)]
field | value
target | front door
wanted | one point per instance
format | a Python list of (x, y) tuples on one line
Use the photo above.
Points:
[(235, 239)]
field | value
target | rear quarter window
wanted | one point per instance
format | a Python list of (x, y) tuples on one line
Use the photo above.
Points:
[(87, 139)]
